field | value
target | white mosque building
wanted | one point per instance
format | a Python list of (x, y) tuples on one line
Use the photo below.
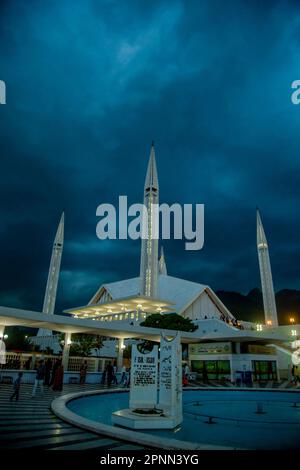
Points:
[(224, 346)]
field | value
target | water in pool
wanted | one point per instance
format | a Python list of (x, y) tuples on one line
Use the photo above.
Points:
[(236, 421)]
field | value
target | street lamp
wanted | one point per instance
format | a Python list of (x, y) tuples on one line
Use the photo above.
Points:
[(292, 320)]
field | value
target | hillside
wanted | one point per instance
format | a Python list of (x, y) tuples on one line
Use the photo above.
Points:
[(250, 306)]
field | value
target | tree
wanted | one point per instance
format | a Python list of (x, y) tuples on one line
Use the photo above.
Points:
[(83, 344), (169, 321)]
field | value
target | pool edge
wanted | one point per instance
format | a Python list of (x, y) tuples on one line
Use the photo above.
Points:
[(60, 409)]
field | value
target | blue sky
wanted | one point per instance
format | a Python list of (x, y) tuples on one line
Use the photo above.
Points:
[(91, 83)]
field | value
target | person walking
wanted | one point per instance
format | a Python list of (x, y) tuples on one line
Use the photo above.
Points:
[(109, 373), (114, 377), (54, 369), (17, 386), (48, 367), (59, 378), (237, 378), (127, 382), (103, 378), (39, 378), (83, 371), (123, 376)]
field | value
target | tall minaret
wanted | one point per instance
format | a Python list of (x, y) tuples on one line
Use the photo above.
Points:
[(149, 250), (265, 274), (162, 267), (53, 275)]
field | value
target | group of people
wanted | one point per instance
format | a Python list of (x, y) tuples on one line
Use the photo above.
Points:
[(243, 378), (47, 373), (51, 374), (234, 322), (109, 376)]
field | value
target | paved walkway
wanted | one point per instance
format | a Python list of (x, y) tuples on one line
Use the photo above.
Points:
[(29, 423)]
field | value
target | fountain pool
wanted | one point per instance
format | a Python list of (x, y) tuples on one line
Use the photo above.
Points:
[(240, 419)]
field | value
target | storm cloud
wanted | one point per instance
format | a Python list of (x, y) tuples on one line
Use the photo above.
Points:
[(90, 83)]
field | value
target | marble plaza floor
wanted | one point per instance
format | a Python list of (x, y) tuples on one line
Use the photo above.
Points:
[(30, 424)]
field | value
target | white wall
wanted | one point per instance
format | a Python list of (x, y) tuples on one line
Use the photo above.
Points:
[(202, 306), (284, 363)]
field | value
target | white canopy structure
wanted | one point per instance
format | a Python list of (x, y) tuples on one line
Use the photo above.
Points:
[(189, 299)]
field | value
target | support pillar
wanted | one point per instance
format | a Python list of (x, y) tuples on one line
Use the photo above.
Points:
[(2, 346), (238, 348), (66, 351), (2, 328), (121, 347)]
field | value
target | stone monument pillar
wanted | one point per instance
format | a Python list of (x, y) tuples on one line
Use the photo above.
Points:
[(170, 378), (145, 410)]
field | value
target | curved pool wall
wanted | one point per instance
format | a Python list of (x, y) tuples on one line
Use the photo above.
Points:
[(60, 407), (213, 419)]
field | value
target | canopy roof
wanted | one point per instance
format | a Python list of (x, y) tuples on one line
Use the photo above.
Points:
[(180, 293), (122, 305)]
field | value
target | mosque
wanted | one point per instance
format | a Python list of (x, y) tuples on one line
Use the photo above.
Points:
[(224, 344), (154, 290)]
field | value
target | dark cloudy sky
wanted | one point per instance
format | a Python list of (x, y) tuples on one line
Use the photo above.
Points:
[(91, 82)]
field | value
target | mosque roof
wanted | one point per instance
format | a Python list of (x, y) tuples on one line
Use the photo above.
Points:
[(179, 292)]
